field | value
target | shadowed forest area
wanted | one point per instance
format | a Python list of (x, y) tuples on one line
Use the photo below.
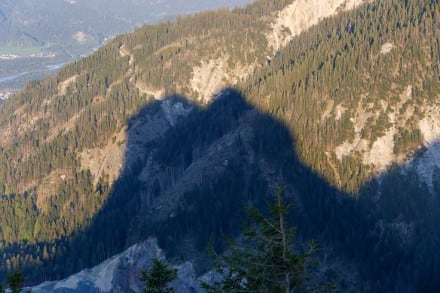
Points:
[(188, 187)]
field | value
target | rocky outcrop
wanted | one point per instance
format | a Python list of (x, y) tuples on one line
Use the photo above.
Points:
[(120, 273), (303, 14)]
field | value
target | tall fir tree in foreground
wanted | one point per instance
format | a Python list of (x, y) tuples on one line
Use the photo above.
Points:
[(264, 260)]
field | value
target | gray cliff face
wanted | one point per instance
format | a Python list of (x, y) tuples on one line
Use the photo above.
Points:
[(120, 273)]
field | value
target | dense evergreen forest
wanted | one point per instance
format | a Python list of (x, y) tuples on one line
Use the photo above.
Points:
[(189, 167)]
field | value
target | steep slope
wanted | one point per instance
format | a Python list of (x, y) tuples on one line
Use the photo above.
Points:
[(55, 171), (106, 153), (359, 94), (71, 124), (301, 15), (364, 93)]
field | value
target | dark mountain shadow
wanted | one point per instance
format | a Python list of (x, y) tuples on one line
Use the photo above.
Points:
[(189, 171)]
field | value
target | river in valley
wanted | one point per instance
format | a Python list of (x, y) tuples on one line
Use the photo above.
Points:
[(48, 68)]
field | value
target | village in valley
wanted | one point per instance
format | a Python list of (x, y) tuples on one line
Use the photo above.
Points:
[(5, 95)]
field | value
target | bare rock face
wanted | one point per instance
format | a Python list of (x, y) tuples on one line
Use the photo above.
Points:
[(121, 273), (301, 15)]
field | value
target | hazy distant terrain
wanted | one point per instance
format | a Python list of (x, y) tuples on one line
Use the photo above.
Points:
[(38, 36)]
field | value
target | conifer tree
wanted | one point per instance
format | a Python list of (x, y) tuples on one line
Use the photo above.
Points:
[(15, 281), (156, 280), (265, 259)]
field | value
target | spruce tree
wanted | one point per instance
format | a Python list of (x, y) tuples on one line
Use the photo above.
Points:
[(157, 278), (15, 281), (264, 260)]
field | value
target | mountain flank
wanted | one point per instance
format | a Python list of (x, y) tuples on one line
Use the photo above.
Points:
[(170, 130)]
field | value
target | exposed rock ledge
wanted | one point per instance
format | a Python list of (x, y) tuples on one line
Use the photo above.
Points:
[(120, 272)]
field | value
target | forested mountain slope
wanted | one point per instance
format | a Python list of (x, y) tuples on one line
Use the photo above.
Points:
[(136, 140), (363, 86)]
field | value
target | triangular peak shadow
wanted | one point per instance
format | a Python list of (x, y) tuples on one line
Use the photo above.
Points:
[(189, 180)]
